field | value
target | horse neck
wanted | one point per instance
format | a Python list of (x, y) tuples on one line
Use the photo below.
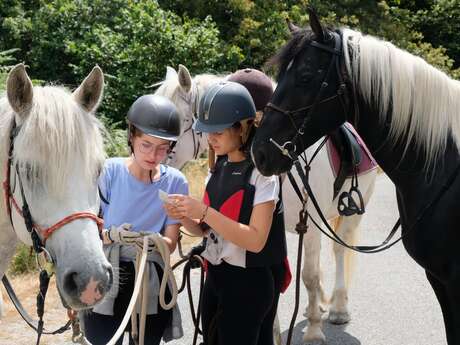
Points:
[(404, 164)]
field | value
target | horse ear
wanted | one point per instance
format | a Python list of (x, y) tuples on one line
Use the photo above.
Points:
[(19, 90), (185, 80), (89, 93), (170, 73), (316, 25), (292, 27)]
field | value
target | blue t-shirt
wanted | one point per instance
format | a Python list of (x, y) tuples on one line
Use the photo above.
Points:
[(135, 202)]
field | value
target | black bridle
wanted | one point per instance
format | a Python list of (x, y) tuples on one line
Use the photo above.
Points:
[(341, 94)]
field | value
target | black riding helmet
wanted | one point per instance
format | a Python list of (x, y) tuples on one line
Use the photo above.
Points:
[(222, 105), (156, 116)]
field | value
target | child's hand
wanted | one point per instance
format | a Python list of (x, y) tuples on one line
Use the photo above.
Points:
[(188, 207), (170, 207)]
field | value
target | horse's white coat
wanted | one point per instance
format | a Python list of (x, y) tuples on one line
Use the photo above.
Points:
[(59, 153), (321, 179)]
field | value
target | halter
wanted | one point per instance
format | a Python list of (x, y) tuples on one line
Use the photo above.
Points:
[(196, 143), (33, 228), (289, 147)]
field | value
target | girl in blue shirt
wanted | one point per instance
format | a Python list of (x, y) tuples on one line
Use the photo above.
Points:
[(130, 187)]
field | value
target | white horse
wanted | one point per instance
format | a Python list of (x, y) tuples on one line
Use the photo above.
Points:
[(57, 156), (185, 92)]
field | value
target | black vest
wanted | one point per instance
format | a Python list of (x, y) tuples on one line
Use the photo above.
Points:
[(228, 191)]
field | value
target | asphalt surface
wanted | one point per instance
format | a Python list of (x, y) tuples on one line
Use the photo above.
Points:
[(390, 300)]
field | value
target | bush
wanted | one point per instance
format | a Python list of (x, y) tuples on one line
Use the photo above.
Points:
[(23, 261), (132, 41)]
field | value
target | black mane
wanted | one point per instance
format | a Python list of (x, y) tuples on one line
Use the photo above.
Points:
[(284, 56)]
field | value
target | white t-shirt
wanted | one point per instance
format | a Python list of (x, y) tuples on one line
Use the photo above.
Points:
[(217, 248)]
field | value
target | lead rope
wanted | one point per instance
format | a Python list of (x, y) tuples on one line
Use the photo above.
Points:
[(142, 291), (301, 228)]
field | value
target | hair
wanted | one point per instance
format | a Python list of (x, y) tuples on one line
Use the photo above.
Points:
[(56, 137), (421, 101)]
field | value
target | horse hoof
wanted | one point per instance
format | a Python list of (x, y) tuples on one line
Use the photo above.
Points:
[(339, 318), (314, 337)]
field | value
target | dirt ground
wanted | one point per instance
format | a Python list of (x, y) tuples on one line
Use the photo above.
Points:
[(14, 330)]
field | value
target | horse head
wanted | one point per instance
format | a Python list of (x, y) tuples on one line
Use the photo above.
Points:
[(308, 101), (57, 152), (184, 92)]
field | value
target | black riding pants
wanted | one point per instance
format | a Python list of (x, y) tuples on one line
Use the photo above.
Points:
[(99, 328), (239, 304)]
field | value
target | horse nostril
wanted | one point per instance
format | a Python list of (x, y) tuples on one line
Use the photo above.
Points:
[(70, 283)]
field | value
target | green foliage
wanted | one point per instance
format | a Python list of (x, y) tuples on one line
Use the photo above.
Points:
[(132, 41), (23, 261), (115, 139), (440, 26)]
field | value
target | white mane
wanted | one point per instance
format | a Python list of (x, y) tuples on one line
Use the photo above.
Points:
[(56, 139), (424, 102)]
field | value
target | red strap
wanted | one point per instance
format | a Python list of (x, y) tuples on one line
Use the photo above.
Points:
[(287, 275)]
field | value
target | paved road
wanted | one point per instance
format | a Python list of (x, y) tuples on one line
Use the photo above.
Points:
[(390, 300)]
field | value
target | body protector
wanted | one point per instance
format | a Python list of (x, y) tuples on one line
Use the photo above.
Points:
[(230, 192)]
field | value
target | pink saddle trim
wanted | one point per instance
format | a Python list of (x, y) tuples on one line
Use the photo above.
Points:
[(368, 162)]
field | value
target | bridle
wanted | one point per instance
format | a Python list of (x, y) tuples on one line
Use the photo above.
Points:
[(34, 229), (342, 94)]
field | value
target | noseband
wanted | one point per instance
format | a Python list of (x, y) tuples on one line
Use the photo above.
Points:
[(289, 147), (33, 228)]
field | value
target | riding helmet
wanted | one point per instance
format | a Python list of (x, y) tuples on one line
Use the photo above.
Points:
[(258, 84), (222, 105), (156, 116)]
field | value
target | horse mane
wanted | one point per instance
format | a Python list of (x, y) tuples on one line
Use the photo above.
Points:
[(56, 138), (422, 101)]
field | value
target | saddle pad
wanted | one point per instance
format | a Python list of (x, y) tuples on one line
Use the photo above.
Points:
[(367, 162)]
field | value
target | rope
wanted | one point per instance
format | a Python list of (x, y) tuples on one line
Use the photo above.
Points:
[(140, 293)]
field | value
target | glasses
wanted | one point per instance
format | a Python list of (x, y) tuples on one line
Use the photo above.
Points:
[(147, 148)]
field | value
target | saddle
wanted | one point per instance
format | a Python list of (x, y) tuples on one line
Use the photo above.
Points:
[(349, 152)]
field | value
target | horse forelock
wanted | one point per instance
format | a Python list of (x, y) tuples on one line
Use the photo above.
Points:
[(281, 60), (57, 140), (171, 89), (421, 100)]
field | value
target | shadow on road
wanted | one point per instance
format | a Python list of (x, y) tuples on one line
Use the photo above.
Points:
[(335, 334)]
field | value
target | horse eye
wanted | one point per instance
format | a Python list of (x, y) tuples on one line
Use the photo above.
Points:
[(305, 78)]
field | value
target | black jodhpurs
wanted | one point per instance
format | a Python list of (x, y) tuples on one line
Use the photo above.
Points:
[(99, 328), (239, 304)]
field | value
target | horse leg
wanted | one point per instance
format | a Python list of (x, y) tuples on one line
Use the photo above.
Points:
[(277, 331), (449, 300), (312, 281), (346, 228)]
